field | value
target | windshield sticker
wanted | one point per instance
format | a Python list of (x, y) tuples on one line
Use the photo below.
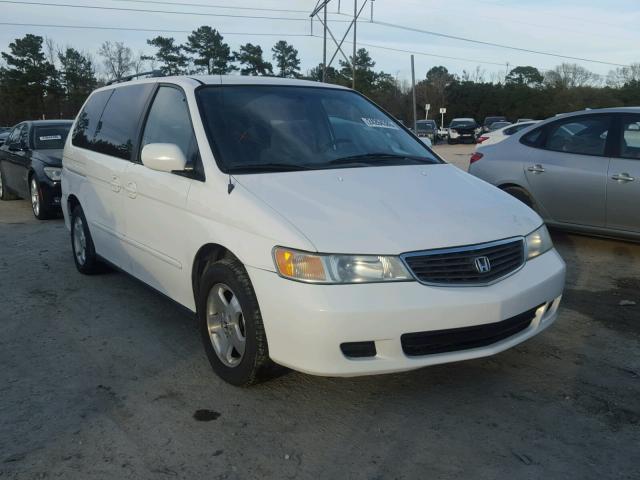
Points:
[(50, 137), (379, 123)]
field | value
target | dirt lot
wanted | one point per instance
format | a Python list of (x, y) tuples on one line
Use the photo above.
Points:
[(103, 378)]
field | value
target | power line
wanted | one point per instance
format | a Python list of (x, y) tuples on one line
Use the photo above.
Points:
[(492, 44), (205, 5), (371, 45), (170, 30), (170, 12), (153, 30)]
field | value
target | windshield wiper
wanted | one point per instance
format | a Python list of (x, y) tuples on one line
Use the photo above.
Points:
[(375, 158), (267, 167)]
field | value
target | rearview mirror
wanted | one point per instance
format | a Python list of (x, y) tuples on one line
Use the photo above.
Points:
[(163, 157), (16, 147)]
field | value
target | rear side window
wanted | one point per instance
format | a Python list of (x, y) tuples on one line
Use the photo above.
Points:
[(88, 119), (532, 138), (583, 135), (118, 126)]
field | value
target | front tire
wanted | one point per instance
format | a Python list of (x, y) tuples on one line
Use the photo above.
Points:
[(39, 205), (231, 325), (84, 252)]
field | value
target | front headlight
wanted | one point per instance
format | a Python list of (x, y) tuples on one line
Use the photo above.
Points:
[(53, 173), (538, 242), (335, 269)]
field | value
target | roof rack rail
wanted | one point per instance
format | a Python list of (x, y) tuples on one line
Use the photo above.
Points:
[(128, 78)]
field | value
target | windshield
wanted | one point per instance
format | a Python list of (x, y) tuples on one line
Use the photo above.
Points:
[(462, 123), (425, 126), (280, 128), (489, 120), (50, 137)]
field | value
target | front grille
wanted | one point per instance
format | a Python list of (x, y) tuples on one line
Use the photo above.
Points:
[(457, 266), (464, 338)]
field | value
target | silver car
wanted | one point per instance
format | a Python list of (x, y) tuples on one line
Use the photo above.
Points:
[(579, 171)]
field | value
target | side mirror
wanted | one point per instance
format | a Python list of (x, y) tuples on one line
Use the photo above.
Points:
[(163, 157), (16, 147)]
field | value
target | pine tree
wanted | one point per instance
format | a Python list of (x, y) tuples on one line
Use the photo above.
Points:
[(286, 58), (250, 57), (211, 54), (170, 55)]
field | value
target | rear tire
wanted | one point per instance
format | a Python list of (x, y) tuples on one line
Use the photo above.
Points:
[(231, 325), (521, 195), (84, 252)]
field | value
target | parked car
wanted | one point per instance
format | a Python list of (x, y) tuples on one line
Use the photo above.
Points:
[(461, 129), (498, 125), (304, 226), (579, 171), (488, 121), (428, 129), (499, 135), (31, 162), (4, 133)]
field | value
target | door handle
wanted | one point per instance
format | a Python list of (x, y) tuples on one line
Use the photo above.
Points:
[(537, 168), (115, 184), (132, 189), (622, 177)]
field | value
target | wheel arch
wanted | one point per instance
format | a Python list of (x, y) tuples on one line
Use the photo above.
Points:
[(208, 253)]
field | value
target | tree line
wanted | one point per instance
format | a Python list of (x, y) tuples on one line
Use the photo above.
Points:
[(39, 79)]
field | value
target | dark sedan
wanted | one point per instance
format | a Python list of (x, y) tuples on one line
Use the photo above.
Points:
[(31, 162)]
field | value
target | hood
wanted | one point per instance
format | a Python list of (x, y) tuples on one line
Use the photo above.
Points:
[(391, 210), (51, 157)]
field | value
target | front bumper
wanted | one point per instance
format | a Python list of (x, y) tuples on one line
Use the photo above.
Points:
[(306, 324), (51, 193)]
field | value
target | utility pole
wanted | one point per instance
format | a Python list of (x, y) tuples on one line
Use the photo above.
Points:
[(353, 60), (371, 1), (413, 91), (324, 47)]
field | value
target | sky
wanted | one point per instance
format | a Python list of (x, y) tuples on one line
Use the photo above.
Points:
[(595, 30)]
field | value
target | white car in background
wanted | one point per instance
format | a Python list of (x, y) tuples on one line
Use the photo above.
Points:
[(501, 134)]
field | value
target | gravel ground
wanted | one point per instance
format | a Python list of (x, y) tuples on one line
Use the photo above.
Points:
[(103, 378)]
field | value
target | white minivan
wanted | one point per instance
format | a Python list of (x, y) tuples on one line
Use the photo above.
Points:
[(306, 227)]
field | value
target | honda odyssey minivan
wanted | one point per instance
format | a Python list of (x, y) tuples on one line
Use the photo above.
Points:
[(304, 226)]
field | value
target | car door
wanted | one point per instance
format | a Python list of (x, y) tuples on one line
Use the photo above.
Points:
[(106, 131), (567, 173), (5, 155), (155, 201), (623, 182), (15, 160)]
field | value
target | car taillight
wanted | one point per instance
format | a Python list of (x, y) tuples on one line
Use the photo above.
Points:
[(482, 139), (475, 157)]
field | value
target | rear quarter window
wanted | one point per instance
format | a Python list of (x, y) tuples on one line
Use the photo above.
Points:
[(532, 138), (88, 119)]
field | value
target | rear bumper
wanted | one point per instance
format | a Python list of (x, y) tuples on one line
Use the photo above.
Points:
[(306, 324)]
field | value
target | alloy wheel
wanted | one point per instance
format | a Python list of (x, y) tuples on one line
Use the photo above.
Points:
[(225, 324), (79, 241), (35, 197)]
